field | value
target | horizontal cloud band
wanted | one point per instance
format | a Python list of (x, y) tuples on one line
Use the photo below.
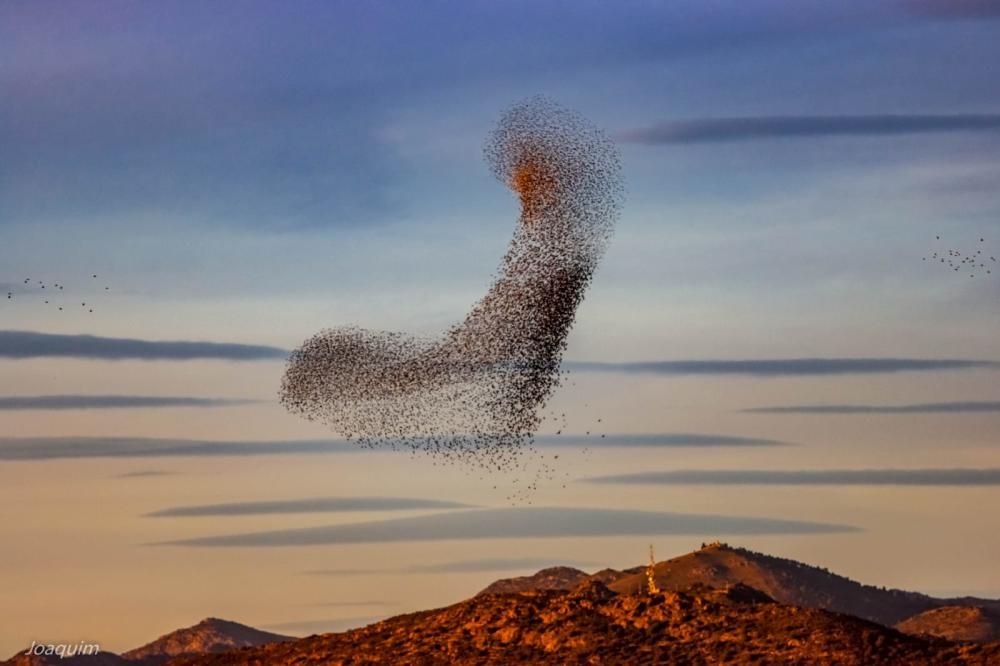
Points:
[(114, 402), (654, 440), (50, 448), (307, 505), (786, 366), (485, 565), (772, 127), (31, 344), (826, 477), (517, 523), (921, 408), (20, 345)]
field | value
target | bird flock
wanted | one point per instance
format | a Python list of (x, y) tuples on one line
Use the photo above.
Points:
[(55, 295), (974, 263), (475, 395)]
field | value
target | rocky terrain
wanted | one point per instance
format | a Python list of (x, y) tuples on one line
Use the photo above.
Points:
[(956, 623), (556, 578), (719, 565), (208, 636), (719, 604), (592, 624), (790, 582)]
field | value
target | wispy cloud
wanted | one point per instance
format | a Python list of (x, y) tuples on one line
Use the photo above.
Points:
[(711, 130), (307, 505), (919, 408), (144, 473), (355, 604), (517, 523), (826, 477), (31, 344), (49, 448), (484, 565), (654, 440), (306, 627), (784, 367), (114, 402)]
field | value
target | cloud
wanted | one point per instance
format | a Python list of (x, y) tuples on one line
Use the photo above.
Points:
[(517, 523), (308, 627), (114, 402), (784, 367), (143, 473), (484, 565), (307, 505), (31, 344), (711, 130), (920, 408), (826, 477), (355, 604), (50, 448), (653, 440)]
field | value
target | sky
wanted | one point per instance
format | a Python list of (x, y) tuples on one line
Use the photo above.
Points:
[(773, 353)]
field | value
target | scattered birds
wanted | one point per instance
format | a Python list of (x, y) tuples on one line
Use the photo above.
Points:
[(31, 291), (977, 262), (473, 396)]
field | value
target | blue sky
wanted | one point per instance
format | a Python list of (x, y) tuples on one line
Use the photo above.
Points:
[(245, 174)]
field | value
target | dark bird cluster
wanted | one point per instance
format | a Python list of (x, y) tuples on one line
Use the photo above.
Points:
[(474, 395), (972, 263), (55, 294)]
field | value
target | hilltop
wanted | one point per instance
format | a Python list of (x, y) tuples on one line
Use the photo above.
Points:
[(208, 636), (593, 624), (719, 604), (789, 582), (956, 623)]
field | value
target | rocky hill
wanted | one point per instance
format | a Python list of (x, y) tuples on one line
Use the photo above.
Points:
[(100, 659), (956, 623), (720, 604), (790, 582), (209, 635), (594, 625), (555, 578)]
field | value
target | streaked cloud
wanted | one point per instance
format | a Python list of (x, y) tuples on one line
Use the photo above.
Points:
[(114, 402), (654, 440), (517, 523), (824, 477), (32, 344), (484, 565), (712, 130), (308, 627), (919, 408), (50, 448), (144, 473), (782, 367), (354, 604), (307, 505)]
